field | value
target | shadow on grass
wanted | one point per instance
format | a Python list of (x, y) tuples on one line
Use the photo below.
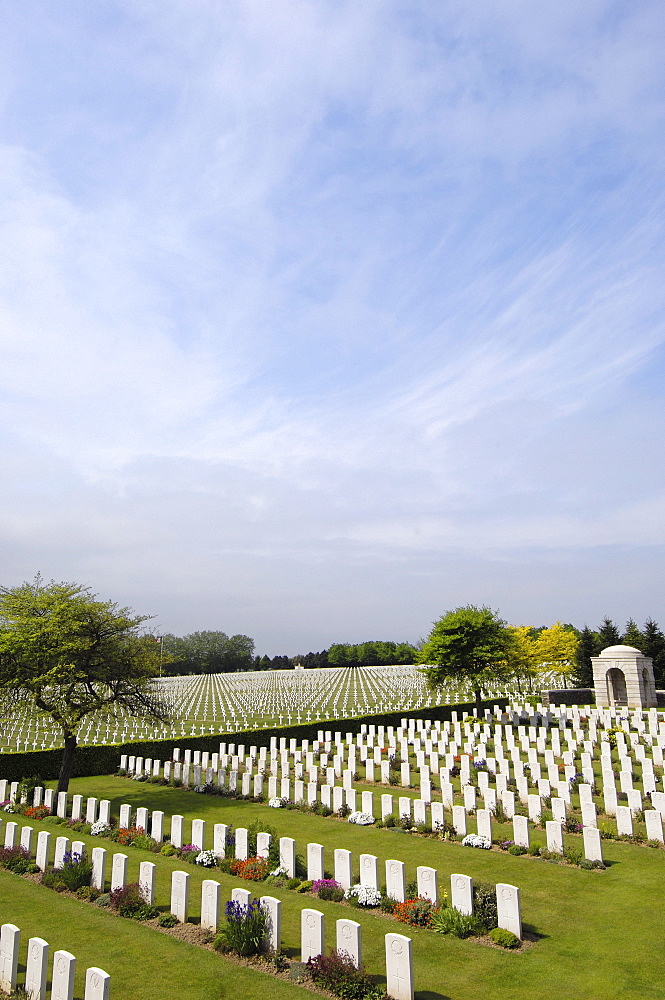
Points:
[(418, 994), (531, 934), (290, 952)]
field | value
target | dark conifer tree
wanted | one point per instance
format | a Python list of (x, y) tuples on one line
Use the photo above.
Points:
[(609, 633), (590, 645)]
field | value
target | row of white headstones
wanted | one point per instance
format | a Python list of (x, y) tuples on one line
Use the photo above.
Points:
[(398, 951), (508, 897), (97, 982)]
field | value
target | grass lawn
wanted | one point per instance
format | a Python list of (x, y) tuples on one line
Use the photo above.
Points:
[(601, 932)]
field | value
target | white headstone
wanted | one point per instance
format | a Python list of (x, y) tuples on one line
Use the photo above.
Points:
[(157, 826), (461, 893), (36, 968), (315, 869), (554, 832), (428, 883), (273, 935), (61, 848), (219, 839), (395, 880), (521, 831), (369, 870), (177, 823), (147, 873), (97, 984), (43, 849), (98, 868), (343, 867), (263, 841), (593, 850), (508, 907), (349, 940), (241, 845), (210, 898), (312, 939), (10, 937), (118, 871), (399, 967), (199, 833), (64, 967), (287, 856), (180, 895)]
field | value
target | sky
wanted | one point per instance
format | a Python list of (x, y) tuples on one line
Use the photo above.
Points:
[(319, 318)]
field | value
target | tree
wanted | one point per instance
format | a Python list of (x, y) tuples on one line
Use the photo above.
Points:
[(468, 644), (608, 634), (209, 653), (653, 645), (68, 655), (523, 656), (556, 648), (589, 645), (632, 636)]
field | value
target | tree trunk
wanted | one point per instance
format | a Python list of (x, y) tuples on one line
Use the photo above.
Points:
[(67, 763), (478, 693)]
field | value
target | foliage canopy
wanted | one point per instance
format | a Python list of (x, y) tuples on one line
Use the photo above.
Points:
[(69, 654)]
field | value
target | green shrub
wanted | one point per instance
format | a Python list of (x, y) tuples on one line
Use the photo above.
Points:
[(337, 973), (516, 850), (76, 871), (88, 892), (451, 921), (484, 904), (15, 859), (506, 939), (104, 899), (168, 850), (128, 900), (293, 883), (305, 886), (167, 920)]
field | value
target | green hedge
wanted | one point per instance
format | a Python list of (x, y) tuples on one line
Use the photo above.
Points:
[(91, 760)]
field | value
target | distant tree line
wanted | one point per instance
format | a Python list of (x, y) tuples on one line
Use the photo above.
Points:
[(649, 640), (564, 647), (344, 654), (206, 653)]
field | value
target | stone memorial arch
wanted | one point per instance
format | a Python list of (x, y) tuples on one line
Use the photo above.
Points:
[(623, 677)]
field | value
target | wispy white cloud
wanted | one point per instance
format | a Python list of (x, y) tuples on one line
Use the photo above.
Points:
[(289, 288)]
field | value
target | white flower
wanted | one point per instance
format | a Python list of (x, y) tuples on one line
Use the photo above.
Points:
[(475, 840), (206, 858), (276, 803), (366, 895), (361, 818), (99, 829), (280, 872)]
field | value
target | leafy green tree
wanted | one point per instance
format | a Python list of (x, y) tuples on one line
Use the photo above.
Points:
[(208, 653), (372, 653), (469, 644), (589, 645), (68, 655)]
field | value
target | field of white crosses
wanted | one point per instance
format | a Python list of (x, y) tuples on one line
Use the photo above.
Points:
[(218, 703)]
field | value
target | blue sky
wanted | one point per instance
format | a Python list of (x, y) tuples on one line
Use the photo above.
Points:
[(320, 318)]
